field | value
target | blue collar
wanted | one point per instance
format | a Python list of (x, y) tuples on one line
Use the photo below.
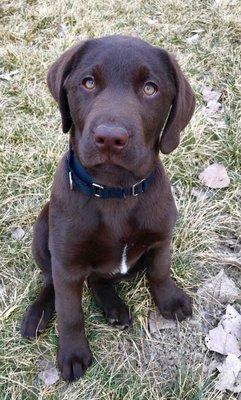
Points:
[(80, 179)]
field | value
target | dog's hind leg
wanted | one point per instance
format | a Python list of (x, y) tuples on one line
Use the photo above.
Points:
[(42, 309), (107, 299)]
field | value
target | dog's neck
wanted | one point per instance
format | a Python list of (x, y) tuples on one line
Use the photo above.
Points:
[(114, 175)]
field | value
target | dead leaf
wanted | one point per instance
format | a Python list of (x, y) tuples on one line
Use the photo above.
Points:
[(157, 322), (220, 288), (49, 375), (133, 33), (193, 39), (62, 30), (152, 21), (231, 323), (212, 107), (201, 194), (215, 176), (216, 3), (211, 367), (226, 337), (230, 375), (1, 291), (198, 30), (211, 97), (18, 233), (210, 94), (8, 75), (222, 342), (221, 124)]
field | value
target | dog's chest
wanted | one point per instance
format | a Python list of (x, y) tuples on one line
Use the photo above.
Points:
[(110, 257), (123, 267), (113, 258), (115, 244)]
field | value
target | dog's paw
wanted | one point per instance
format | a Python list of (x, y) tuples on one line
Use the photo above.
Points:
[(119, 316), (73, 362), (172, 302), (36, 319)]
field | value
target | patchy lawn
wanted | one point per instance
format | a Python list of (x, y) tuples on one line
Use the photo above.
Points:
[(205, 36)]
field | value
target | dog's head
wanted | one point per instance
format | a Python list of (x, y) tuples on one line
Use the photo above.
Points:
[(123, 100)]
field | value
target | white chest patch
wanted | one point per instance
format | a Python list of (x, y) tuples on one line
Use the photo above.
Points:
[(123, 263)]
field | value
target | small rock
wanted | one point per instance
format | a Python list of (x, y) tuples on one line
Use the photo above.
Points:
[(18, 233)]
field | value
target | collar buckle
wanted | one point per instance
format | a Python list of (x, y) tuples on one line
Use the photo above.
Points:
[(97, 189), (133, 188)]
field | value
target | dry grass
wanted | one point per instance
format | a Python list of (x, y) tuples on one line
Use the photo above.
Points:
[(128, 365)]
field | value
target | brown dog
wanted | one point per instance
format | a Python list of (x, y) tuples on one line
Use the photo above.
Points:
[(111, 210)]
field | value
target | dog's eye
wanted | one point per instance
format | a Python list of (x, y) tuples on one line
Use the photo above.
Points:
[(150, 88), (88, 82)]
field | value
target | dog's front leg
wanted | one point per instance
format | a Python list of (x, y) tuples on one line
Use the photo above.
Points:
[(171, 301), (74, 355)]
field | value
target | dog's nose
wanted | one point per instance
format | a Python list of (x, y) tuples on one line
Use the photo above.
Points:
[(110, 138)]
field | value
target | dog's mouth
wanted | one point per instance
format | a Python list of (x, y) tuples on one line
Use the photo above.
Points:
[(109, 164), (105, 160), (110, 159)]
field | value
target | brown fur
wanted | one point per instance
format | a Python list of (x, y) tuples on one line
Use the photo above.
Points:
[(78, 238)]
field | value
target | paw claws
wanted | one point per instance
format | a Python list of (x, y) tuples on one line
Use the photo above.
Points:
[(120, 323)]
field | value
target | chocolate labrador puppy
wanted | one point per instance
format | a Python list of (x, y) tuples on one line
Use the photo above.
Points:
[(111, 210)]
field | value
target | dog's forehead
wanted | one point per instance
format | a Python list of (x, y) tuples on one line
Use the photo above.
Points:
[(121, 54)]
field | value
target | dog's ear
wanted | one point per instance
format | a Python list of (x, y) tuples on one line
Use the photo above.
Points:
[(181, 110), (56, 77)]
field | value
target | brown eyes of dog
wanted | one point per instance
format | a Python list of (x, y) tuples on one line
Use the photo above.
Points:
[(150, 88), (88, 82)]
